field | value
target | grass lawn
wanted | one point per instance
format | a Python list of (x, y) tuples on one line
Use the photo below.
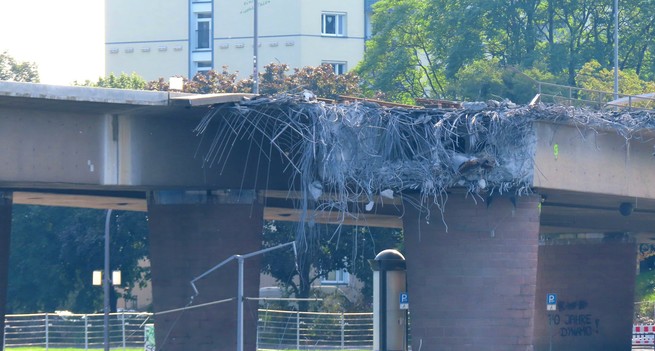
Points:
[(37, 348), (113, 348)]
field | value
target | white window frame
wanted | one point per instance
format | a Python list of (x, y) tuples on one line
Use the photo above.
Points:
[(342, 277), (201, 17), (339, 67), (339, 25)]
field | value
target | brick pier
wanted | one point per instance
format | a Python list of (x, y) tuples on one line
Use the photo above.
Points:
[(187, 240), (472, 275)]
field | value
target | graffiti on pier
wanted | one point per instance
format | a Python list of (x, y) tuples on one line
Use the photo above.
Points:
[(573, 321)]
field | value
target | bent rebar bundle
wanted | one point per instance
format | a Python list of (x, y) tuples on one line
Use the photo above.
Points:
[(357, 151)]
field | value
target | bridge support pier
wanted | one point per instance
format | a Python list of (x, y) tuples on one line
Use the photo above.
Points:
[(593, 276), (472, 274), (191, 233), (5, 235)]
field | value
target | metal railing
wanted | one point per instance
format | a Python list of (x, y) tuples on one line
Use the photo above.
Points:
[(283, 330), (61, 330), (573, 96), (276, 330)]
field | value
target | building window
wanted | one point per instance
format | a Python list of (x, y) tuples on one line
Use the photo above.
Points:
[(202, 66), (338, 277), (203, 30), (333, 24), (338, 67)]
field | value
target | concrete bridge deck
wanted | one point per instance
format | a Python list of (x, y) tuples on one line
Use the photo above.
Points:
[(137, 150), (105, 148)]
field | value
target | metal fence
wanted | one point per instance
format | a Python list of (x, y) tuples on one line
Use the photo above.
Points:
[(573, 96), (276, 330), (60, 330), (286, 330)]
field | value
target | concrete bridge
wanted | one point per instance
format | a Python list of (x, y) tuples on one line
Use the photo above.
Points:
[(478, 284)]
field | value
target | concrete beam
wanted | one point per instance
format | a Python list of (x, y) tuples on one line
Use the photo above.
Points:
[(593, 161), (83, 94)]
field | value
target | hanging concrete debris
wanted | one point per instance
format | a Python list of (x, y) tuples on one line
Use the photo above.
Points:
[(357, 151)]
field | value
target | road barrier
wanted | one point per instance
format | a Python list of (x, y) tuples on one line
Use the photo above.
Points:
[(643, 335)]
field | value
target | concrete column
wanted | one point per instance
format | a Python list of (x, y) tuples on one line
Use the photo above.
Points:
[(5, 234), (593, 276), (188, 236), (472, 274)]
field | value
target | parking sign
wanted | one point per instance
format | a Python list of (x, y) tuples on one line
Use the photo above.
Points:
[(551, 302), (404, 301)]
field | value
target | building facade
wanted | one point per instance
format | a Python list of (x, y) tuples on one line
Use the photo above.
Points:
[(182, 37)]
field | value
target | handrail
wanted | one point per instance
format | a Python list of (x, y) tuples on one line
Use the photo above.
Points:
[(605, 99)]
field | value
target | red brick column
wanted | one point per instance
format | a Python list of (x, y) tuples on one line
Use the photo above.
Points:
[(5, 234), (594, 281), (185, 241), (472, 280)]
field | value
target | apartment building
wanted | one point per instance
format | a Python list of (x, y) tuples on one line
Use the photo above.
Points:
[(155, 38)]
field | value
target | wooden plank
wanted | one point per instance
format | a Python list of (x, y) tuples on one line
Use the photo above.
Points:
[(294, 195), (80, 201), (361, 219), (270, 213)]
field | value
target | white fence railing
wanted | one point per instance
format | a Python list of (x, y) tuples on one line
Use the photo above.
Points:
[(66, 330), (276, 330), (573, 96), (282, 330)]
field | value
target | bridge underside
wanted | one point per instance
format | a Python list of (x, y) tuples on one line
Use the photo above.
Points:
[(561, 212), (478, 276)]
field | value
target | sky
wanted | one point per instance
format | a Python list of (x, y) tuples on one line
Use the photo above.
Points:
[(65, 38)]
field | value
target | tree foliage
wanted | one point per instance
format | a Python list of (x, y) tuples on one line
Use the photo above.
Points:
[(401, 59), (328, 249), (217, 82), (56, 249), (12, 70), (593, 76), (275, 78), (123, 81), (419, 43)]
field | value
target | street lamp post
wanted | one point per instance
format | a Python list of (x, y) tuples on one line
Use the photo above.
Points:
[(106, 282), (616, 49), (255, 53)]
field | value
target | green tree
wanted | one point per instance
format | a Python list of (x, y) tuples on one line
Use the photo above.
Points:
[(328, 248), (422, 48), (488, 79), (405, 58), (55, 250), (637, 37), (512, 30), (12, 70), (481, 80), (593, 76), (123, 81)]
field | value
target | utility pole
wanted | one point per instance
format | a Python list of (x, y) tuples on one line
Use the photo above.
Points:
[(106, 281), (616, 49), (255, 53)]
